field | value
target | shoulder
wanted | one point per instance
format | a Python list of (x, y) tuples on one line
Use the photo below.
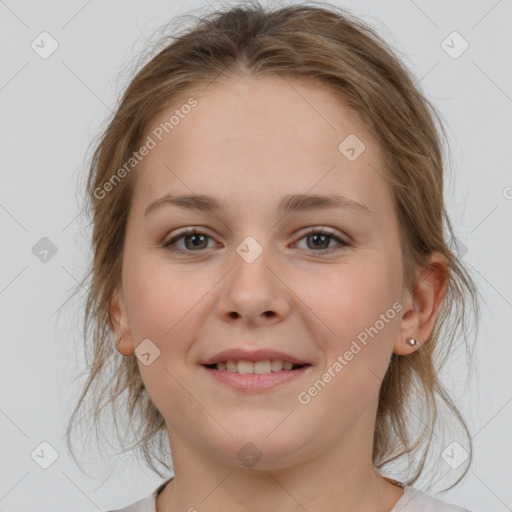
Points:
[(147, 504), (414, 500)]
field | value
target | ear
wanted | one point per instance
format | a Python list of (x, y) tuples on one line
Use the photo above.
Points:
[(119, 324), (421, 306)]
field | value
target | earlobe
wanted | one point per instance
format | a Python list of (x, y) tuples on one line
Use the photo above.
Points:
[(421, 307), (125, 346), (119, 324)]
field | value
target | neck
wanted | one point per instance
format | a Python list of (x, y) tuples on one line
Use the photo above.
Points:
[(341, 479)]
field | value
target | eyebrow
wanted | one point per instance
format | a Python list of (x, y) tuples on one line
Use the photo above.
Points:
[(289, 203)]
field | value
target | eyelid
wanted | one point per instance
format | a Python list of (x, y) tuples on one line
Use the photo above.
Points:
[(314, 229)]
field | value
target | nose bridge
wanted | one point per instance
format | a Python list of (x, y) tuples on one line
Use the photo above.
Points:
[(250, 250), (252, 261), (252, 289)]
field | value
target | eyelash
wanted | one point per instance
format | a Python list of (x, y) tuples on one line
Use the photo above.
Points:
[(323, 231)]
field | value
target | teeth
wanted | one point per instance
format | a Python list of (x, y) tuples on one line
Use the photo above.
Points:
[(258, 368), (245, 367), (276, 366), (262, 367)]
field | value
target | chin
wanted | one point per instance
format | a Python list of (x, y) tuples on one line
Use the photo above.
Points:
[(257, 447)]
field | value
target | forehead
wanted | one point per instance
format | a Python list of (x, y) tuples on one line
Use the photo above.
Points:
[(256, 139)]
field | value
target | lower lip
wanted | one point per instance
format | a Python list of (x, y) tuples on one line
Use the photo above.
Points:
[(254, 382)]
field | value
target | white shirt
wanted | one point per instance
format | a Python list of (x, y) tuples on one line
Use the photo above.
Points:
[(413, 500)]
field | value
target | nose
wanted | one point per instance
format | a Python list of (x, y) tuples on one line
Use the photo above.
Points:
[(254, 292)]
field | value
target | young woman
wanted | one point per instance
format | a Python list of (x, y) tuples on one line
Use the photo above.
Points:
[(272, 282)]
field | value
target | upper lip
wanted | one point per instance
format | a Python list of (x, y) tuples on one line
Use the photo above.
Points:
[(237, 354)]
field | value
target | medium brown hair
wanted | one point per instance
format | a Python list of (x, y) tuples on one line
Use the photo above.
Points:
[(321, 43)]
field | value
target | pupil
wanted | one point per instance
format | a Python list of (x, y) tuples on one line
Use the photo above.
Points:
[(315, 237), (194, 237)]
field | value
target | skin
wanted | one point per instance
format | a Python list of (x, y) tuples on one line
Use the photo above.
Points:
[(248, 142)]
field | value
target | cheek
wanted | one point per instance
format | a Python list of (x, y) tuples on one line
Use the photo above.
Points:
[(165, 301), (165, 307), (357, 331), (353, 311), (152, 308)]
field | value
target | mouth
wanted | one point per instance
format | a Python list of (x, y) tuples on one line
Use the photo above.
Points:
[(248, 376), (255, 368)]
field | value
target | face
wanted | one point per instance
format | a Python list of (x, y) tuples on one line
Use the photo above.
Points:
[(320, 283)]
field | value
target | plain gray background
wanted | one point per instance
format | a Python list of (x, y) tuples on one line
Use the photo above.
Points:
[(51, 108)]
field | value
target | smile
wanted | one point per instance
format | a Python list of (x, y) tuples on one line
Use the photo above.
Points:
[(244, 376), (257, 368)]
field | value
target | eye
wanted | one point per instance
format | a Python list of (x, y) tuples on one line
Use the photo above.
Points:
[(320, 239), (193, 240)]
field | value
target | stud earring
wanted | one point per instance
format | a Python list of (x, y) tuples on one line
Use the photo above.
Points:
[(412, 342)]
